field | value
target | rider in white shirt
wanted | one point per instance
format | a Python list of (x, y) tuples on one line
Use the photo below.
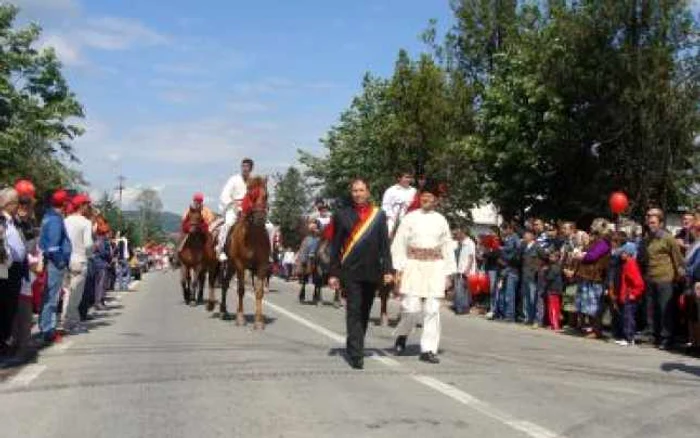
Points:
[(230, 202), (397, 199)]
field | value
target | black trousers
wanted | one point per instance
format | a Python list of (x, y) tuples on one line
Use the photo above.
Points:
[(9, 297), (661, 310), (359, 297)]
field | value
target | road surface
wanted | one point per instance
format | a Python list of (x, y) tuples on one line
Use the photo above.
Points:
[(153, 367)]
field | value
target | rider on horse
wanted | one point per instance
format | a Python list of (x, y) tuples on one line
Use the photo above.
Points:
[(230, 202), (197, 206)]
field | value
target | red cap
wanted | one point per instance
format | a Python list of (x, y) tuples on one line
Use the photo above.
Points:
[(25, 188), (59, 198), (198, 197), (80, 199)]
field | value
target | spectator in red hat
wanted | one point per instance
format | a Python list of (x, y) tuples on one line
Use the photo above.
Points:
[(79, 229), (56, 246)]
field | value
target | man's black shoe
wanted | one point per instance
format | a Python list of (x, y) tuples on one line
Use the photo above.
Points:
[(400, 345), (429, 357), (357, 364)]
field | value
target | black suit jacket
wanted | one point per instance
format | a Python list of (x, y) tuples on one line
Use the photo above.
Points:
[(371, 257)]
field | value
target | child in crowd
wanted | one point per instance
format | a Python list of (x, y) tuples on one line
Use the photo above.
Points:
[(554, 287), (631, 291)]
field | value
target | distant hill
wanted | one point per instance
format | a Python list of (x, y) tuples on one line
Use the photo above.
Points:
[(169, 221)]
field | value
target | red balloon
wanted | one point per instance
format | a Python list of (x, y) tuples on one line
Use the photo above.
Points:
[(618, 202), (478, 283), (25, 187)]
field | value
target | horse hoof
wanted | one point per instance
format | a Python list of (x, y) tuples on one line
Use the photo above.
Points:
[(210, 306), (225, 316), (240, 320), (259, 325), (384, 321)]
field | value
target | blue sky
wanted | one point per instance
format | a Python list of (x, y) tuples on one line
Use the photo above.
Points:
[(177, 92)]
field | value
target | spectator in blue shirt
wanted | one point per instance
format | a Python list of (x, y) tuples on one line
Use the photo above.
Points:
[(56, 247)]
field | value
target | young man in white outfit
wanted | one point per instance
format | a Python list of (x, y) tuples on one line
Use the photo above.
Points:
[(397, 199), (230, 202), (79, 230), (424, 259)]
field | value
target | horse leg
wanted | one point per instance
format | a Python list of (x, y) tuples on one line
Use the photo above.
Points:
[(225, 283), (185, 282), (240, 275), (201, 278), (213, 274), (259, 293)]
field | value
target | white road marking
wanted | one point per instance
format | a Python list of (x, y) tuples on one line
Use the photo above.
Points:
[(25, 377), (303, 321), (457, 394), (526, 427)]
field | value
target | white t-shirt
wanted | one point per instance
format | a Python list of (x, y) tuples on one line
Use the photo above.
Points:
[(79, 230), (288, 258), (396, 200), (233, 193), (468, 250)]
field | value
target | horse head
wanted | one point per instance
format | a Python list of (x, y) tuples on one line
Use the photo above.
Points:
[(196, 220), (255, 202)]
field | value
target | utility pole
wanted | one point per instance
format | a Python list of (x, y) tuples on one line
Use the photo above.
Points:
[(120, 188)]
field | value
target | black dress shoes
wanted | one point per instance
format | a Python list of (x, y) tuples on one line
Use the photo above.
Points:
[(400, 345), (357, 363), (429, 357)]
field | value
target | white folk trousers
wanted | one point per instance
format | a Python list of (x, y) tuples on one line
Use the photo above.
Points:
[(411, 309)]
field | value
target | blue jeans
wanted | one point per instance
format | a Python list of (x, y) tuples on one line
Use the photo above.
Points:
[(528, 291), (493, 291), (506, 304), (47, 317), (462, 296), (122, 275)]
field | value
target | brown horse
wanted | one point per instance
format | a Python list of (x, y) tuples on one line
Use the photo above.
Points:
[(248, 247), (196, 257)]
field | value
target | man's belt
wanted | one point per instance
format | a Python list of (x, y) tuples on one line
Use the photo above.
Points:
[(424, 254)]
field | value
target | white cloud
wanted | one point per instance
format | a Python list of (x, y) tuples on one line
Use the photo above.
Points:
[(114, 33), (78, 34), (263, 86), (175, 96), (67, 51), (248, 107)]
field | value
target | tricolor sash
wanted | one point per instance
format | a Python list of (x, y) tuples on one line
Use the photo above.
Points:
[(360, 231)]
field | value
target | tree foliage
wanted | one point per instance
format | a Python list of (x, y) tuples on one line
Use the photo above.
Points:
[(408, 122), (37, 110), (540, 107), (150, 208), (289, 205)]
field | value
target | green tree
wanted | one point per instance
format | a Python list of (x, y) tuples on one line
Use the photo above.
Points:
[(37, 110), (150, 208), (289, 205), (595, 97), (412, 120)]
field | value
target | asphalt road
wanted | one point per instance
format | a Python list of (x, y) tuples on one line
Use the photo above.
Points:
[(153, 367)]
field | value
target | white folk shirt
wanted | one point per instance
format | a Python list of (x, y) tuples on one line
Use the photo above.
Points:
[(233, 193), (395, 202), (468, 250), (79, 230), (423, 230)]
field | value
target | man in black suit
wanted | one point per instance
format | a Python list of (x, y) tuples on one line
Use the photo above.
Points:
[(360, 262)]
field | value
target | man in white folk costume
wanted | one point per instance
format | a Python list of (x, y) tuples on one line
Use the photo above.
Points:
[(397, 199), (422, 253), (230, 202)]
